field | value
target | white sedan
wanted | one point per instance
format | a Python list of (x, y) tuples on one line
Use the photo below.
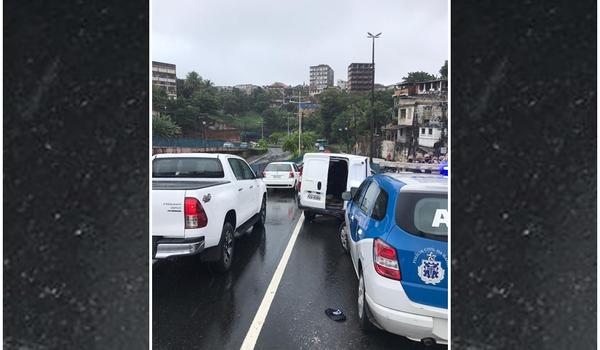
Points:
[(281, 175)]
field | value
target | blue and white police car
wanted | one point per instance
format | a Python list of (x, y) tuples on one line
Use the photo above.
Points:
[(396, 230)]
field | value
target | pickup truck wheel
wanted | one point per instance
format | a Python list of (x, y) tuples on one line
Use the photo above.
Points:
[(309, 215), (262, 215), (226, 249)]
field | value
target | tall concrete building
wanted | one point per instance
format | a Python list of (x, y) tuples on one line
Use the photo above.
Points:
[(360, 76), (321, 77), (164, 76)]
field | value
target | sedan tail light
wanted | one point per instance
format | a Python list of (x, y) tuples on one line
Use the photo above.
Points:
[(291, 174), (195, 216), (385, 259)]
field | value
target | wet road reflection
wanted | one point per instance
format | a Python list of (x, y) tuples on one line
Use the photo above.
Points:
[(195, 307), (320, 275)]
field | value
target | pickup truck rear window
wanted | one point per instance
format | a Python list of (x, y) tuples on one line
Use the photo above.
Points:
[(423, 214), (278, 167), (187, 167)]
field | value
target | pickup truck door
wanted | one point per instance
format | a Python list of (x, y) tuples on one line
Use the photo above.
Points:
[(254, 191), (244, 187)]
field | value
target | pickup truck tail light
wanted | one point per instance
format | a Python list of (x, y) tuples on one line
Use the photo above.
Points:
[(291, 174), (385, 259), (195, 216)]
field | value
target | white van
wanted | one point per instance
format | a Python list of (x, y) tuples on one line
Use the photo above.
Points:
[(325, 176)]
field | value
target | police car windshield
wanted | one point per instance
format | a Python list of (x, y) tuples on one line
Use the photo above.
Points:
[(423, 214)]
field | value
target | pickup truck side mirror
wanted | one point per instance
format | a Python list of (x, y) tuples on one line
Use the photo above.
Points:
[(347, 195)]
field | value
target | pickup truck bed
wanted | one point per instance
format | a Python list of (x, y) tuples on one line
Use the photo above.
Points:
[(185, 185)]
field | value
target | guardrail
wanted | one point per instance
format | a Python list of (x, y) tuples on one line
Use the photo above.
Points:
[(196, 143)]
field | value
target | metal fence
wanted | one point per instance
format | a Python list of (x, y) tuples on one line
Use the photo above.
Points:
[(191, 143)]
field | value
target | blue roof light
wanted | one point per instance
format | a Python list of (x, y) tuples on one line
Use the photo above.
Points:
[(444, 168)]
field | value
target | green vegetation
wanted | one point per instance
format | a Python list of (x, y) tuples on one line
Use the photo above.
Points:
[(342, 116), (163, 126), (444, 70)]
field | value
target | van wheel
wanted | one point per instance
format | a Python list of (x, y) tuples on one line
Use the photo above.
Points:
[(226, 249), (363, 318), (309, 215), (344, 237)]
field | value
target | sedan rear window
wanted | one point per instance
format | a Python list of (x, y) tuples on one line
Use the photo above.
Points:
[(423, 214), (187, 167), (278, 167)]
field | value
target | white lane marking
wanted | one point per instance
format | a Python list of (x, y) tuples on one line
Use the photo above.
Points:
[(265, 305)]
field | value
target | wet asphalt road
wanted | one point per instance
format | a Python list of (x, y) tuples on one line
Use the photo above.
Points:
[(195, 307)]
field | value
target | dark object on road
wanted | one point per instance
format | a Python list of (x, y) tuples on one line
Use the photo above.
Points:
[(335, 314)]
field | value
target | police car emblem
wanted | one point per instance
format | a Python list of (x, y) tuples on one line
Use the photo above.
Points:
[(430, 271)]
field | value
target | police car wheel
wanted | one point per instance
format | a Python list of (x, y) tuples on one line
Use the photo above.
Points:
[(344, 236), (363, 318)]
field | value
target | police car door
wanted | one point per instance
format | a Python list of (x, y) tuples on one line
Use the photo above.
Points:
[(363, 213), (353, 213)]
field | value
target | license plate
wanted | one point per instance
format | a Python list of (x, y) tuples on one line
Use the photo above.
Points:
[(316, 197), (277, 176)]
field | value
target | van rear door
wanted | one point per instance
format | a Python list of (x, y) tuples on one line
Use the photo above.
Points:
[(357, 172), (314, 181)]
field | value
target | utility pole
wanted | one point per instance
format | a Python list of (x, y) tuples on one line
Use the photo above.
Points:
[(299, 122), (355, 131), (371, 36)]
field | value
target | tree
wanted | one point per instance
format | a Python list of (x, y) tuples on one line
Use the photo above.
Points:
[(163, 126), (192, 83), (160, 99), (444, 70), (308, 140), (415, 77), (332, 103)]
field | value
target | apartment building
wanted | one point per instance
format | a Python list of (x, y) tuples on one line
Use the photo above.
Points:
[(164, 76), (321, 77), (360, 76)]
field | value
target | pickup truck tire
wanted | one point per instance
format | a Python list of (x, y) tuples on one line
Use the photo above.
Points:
[(262, 214), (226, 249)]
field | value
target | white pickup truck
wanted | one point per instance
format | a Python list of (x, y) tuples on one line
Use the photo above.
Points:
[(201, 202)]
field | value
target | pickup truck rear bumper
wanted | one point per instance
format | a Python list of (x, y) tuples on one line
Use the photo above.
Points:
[(167, 247)]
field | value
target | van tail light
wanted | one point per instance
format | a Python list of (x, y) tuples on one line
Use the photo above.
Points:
[(291, 174), (195, 216), (385, 259)]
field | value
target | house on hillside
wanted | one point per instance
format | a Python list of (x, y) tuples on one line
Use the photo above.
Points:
[(421, 120)]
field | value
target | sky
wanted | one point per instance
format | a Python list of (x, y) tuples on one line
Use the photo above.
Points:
[(264, 41)]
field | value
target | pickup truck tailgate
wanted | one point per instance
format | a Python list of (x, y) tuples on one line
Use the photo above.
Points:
[(167, 213)]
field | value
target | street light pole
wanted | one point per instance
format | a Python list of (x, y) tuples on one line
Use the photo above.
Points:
[(371, 36), (299, 123)]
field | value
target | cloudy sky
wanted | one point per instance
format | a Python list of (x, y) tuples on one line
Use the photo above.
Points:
[(262, 41)]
